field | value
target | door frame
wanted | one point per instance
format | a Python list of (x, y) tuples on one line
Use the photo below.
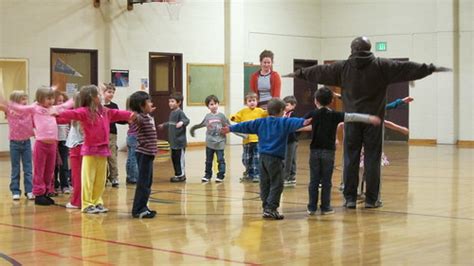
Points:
[(94, 53), (159, 98)]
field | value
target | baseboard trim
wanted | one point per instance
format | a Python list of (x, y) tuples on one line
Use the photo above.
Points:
[(422, 142), (465, 143), (196, 144)]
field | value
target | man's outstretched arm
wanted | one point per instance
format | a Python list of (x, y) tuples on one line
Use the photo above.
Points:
[(399, 71), (319, 74)]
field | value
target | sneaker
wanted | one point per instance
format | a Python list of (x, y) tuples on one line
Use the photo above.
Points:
[(16, 197), (310, 212), (341, 187), (100, 208), (287, 183), (293, 181), (91, 209), (245, 179), (52, 194), (42, 200), (115, 183), (177, 179), (51, 201), (66, 190), (219, 179), (349, 204), (327, 211), (256, 180), (152, 211), (131, 181), (205, 179), (30, 196), (377, 204), (70, 206), (272, 214), (144, 214)]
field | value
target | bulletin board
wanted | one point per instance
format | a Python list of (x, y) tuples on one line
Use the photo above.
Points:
[(204, 80), (249, 69), (13, 76)]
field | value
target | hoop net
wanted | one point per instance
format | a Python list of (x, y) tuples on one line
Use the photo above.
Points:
[(173, 7)]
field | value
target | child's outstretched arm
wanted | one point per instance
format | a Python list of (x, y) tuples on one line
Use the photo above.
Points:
[(200, 125), (79, 114), (364, 118), (119, 115), (22, 109), (398, 102), (249, 127), (398, 128), (237, 117)]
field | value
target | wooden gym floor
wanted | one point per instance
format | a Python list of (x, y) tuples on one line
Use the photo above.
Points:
[(427, 218)]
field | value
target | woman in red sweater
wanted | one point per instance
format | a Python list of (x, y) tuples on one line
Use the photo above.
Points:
[(266, 83)]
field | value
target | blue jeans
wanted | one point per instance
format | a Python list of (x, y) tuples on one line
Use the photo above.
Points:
[(21, 151), (321, 166), (132, 165), (220, 161)]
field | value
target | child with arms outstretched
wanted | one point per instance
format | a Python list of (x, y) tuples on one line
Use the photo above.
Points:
[(95, 120)]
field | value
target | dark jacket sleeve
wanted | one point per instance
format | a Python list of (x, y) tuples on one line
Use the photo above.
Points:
[(322, 74), (399, 71)]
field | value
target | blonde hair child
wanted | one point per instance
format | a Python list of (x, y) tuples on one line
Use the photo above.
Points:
[(46, 133), (20, 131)]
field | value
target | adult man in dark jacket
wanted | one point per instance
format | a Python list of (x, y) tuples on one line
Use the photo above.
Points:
[(364, 79)]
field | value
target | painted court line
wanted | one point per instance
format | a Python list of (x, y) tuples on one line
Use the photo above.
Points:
[(127, 244), (9, 259)]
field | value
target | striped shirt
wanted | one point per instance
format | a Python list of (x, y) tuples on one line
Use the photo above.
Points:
[(146, 134)]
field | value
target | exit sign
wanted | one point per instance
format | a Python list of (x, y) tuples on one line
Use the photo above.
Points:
[(381, 46)]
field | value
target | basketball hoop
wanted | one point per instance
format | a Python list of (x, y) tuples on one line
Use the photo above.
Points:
[(173, 6)]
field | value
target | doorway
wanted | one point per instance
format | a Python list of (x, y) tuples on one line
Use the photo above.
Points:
[(166, 77), (400, 115), (70, 69), (303, 92)]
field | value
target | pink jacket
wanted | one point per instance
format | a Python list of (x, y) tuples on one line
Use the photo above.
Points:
[(44, 123), (96, 132), (20, 125)]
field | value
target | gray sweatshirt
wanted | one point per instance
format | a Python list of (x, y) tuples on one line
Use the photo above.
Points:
[(177, 136), (213, 122)]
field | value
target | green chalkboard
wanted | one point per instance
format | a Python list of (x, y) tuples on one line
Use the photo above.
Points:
[(248, 71), (204, 80)]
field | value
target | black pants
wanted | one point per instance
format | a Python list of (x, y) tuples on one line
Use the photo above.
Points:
[(144, 182), (61, 171), (356, 135), (177, 157), (271, 181)]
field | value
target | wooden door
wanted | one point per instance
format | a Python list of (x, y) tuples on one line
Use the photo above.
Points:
[(400, 115), (166, 77), (336, 103), (70, 69), (303, 92)]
